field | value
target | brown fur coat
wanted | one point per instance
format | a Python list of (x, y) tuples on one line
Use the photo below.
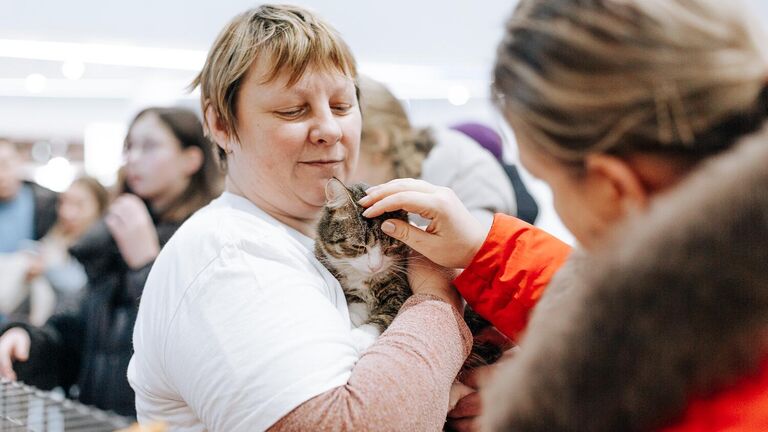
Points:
[(678, 306)]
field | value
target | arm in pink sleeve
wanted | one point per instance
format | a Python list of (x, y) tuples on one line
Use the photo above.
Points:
[(401, 382)]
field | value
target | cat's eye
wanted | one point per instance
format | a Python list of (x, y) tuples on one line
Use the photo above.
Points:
[(393, 249)]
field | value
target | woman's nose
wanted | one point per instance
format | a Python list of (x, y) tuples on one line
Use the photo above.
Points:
[(132, 155), (326, 129)]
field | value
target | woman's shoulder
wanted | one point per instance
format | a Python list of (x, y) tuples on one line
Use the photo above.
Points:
[(218, 236), (227, 223)]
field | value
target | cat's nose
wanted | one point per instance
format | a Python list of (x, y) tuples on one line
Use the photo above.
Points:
[(375, 259), (375, 265)]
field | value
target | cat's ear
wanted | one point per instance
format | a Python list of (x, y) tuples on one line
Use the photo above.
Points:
[(336, 194)]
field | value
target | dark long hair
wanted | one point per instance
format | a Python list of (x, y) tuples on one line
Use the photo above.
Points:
[(206, 183)]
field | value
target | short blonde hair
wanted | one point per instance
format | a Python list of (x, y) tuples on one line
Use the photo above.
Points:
[(290, 38), (386, 122), (678, 76)]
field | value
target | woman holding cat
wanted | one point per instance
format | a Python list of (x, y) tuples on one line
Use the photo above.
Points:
[(617, 106), (240, 327)]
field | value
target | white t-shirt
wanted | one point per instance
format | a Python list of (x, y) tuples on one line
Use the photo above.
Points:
[(238, 324)]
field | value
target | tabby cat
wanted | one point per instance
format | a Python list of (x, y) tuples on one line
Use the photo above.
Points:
[(372, 267)]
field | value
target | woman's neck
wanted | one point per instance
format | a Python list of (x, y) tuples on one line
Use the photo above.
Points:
[(162, 203), (67, 236), (305, 226)]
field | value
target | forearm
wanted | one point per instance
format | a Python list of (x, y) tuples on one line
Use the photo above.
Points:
[(508, 275), (401, 382), (134, 282)]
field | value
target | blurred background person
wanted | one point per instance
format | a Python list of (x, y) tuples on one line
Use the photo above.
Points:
[(489, 139), (169, 172), (44, 277), (391, 147), (80, 206), (27, 210)]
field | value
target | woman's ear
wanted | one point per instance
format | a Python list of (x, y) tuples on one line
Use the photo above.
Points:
[(193, 160), (216, 129), (616, 184)]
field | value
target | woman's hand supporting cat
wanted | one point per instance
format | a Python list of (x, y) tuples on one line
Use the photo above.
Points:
[(452, 238)]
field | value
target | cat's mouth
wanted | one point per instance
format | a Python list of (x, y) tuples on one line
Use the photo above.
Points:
[(382, 271)]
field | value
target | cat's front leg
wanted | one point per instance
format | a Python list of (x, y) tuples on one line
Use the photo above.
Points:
[(387, 308), (363, 333), (359, 313), (364, 336)]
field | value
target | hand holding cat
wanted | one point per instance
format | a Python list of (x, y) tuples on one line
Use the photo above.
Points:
[(464, 415), (453, 236)]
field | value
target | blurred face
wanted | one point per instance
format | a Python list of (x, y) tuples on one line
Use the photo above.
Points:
[(155, 168), (78, 208), (10, 166), (373, 169), (580, 211), (293, 139)]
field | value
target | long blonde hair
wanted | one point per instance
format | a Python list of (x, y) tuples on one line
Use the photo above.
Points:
[(624, 75)]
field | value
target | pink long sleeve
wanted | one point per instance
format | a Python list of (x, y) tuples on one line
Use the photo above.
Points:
[(401, 382)]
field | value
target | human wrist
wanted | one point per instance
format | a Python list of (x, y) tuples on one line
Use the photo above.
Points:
[(451, 297), (143, 257), (475, 240)]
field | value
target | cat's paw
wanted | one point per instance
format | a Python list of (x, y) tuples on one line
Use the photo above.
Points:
[(358, 314), (364, 336)]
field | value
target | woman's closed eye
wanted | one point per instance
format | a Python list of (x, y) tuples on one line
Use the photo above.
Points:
[(341, 109), (291, 113)]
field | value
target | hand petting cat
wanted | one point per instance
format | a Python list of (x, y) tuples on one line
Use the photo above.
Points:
[(452, 238)]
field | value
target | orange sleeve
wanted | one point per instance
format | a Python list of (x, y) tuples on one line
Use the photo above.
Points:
[(507, 276)]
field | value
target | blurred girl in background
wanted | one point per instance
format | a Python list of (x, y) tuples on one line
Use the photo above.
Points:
[(169, 172)]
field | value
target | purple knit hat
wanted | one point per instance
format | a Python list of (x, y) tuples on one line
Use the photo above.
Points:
[(485, 136)]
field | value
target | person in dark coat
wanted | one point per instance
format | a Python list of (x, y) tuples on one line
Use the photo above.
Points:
[(170, 172), (27, 210)]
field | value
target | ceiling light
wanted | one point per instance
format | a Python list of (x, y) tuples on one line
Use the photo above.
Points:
[(458, 95), (119, 55), (73, 69), (35, 83)]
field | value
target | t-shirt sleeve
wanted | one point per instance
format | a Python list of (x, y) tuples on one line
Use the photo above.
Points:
[(254, 338)]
